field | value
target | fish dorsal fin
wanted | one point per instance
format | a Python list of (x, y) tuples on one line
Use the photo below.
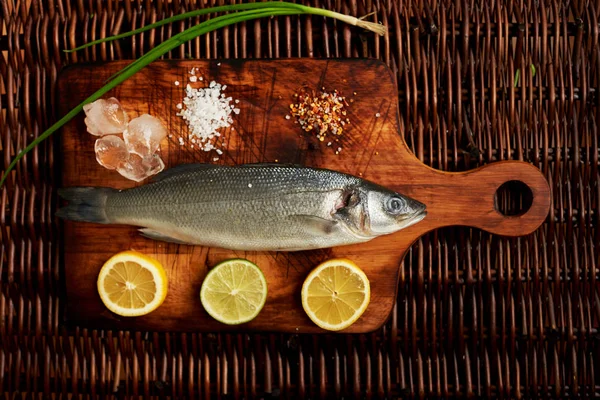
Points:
[(183, 168), (180, 169), (267, 164)]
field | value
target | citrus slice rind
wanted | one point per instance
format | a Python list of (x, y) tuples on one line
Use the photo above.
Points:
[(234, 291), (335, 294), (132, 284)]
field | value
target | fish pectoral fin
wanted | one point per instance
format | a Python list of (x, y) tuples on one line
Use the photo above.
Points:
[(318, 225), (152, 234)]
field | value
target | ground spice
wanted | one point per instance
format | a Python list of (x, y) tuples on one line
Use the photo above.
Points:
[(322, 114)]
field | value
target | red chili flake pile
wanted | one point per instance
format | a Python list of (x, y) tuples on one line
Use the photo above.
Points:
[(320, 113)]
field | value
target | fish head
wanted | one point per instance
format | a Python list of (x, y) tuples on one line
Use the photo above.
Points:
[(390, 211), (371, 211)]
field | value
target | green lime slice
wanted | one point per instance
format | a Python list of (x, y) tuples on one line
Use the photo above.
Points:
[(234, 291)]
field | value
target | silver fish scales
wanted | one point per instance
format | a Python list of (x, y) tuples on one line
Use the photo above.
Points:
[(262, 207)]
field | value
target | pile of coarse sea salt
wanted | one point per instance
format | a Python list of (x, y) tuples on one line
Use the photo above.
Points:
[(206, 111)]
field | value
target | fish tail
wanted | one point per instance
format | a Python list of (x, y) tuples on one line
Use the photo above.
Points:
[(86, 204)]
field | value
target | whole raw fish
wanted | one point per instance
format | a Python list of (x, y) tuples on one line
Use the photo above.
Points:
[(264, 207)]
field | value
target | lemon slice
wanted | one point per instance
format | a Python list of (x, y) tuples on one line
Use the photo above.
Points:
[(131, 284), (335, 294), (234, 291)]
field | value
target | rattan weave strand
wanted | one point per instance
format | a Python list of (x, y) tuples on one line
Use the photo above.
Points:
[(476, 315)]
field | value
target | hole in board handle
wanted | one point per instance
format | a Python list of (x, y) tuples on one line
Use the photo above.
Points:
[(513, 198)]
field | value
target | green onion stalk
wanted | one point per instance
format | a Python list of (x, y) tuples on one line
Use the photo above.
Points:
[(238, 13)]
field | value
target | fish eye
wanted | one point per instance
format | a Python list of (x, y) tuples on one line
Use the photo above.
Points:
[(395, 205)]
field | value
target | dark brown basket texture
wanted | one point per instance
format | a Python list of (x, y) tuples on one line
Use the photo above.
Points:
[(476, 316)]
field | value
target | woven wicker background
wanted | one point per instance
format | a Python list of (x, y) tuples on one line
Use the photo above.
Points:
[(476, 315)]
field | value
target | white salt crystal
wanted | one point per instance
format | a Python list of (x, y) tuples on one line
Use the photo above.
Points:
[(176, 83), (193, 78), (206, 111)]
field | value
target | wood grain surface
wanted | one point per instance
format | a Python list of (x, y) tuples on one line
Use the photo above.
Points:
[(372, 148)]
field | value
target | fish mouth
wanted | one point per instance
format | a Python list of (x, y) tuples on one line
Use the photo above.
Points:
[(416, 218)]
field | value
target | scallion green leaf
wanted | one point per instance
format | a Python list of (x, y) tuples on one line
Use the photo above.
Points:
[(240, 13)]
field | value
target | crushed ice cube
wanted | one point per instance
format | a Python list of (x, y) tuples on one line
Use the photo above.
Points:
[(154, 164), (139, 168), (144, 134), (111, 151), (105, 117), (134, 169)]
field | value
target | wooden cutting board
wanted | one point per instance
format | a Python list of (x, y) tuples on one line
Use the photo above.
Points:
[(372, 148)]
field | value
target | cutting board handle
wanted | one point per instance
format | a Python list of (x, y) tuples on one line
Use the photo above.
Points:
[(470, 198)]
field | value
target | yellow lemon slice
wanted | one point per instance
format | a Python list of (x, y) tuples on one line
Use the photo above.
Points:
[(335, 294), (234, 291), (132, 284)]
